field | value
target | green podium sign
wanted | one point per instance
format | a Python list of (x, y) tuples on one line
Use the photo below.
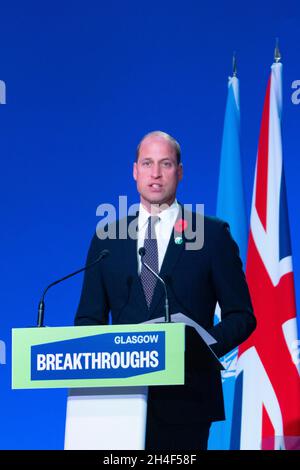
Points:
[(98, 356)]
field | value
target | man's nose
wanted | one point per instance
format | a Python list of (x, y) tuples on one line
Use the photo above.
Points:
[(156, 170)]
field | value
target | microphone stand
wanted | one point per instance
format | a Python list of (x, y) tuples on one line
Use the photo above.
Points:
[(142, 253), (41, 308)]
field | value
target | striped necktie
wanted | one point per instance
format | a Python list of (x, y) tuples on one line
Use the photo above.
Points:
[(150, 258)]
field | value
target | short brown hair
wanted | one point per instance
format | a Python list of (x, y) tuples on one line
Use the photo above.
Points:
[(165, 136)]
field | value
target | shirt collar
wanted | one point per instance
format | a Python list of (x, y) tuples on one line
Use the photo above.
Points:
[(165, 215)]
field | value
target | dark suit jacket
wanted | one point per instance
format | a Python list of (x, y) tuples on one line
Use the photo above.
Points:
[(196, 281)]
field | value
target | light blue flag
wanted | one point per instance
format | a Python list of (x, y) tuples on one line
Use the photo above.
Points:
[(231, 208)]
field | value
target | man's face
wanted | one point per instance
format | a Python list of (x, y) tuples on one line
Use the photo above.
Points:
[(157, 172)]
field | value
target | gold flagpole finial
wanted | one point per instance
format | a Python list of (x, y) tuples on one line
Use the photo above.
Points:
[(277, 55), (234, 67)]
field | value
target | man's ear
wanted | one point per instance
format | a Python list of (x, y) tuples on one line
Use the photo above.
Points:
[(180, 171), (134, 171)]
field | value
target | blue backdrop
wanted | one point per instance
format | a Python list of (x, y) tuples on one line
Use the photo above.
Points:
[(84, 82)]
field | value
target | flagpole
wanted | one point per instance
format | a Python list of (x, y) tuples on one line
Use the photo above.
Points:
[(277, 55), (234, 66)]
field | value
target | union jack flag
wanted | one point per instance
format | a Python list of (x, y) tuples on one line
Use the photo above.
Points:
[(267, 393)]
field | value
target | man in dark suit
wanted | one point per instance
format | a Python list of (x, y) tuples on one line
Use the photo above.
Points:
[(179, 417)]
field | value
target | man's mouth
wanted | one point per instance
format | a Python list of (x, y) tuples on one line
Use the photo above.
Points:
[(155, 186)]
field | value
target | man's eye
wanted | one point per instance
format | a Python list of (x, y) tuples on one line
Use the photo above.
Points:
[(146, 163), (167, 164)]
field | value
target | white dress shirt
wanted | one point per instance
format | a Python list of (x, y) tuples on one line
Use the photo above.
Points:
[(163, 230)]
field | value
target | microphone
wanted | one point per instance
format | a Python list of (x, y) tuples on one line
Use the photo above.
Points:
[(142, 253), (41, 309)]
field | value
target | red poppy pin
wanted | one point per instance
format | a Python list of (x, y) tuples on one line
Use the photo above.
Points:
[(180, 227)]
